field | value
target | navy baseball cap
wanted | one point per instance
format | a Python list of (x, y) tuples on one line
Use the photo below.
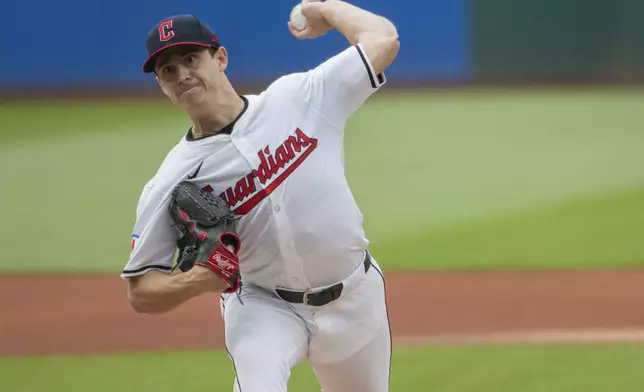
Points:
[(174, 31)]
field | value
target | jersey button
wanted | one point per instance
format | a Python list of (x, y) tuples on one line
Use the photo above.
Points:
[(277, 208)]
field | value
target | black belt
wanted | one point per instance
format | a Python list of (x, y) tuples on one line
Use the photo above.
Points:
[(322, 297)]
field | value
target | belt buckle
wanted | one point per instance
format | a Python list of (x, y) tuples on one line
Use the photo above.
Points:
[(305, 298)]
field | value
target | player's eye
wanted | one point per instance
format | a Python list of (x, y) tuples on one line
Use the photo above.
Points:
[(168, 69), (191, 58)]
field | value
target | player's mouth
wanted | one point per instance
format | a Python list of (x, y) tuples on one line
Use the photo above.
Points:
[(186, 89)]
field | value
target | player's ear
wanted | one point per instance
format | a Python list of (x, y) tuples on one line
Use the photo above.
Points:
[(221, 55)]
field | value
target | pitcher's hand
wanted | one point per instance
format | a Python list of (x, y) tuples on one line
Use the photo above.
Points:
[(316, 23)]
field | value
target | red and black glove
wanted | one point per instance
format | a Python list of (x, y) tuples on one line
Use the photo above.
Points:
[(207, 227)]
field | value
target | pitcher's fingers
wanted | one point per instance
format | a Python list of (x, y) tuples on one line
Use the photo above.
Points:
[(297, 33)]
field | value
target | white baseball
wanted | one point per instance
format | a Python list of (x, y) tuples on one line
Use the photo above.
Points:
[(297, 18)]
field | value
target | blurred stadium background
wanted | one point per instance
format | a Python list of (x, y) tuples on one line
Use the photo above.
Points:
[(509, 136)]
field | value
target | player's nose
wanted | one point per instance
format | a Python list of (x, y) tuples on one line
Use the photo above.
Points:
[(183, 73)]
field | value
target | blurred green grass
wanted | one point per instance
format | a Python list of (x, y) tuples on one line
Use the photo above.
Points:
[(446, 179), (601, 231), (560, 368)]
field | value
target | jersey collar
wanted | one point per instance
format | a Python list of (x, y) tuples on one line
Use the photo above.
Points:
[(227, 130)]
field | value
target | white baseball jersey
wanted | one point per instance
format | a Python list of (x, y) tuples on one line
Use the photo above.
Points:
[(282, 170)]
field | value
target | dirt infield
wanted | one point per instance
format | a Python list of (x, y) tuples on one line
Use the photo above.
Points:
[(89, 315)]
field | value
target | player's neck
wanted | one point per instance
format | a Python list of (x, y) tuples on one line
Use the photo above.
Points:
[(222, 110)]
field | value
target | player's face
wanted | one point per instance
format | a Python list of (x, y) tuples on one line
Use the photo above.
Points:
[(187, 74)]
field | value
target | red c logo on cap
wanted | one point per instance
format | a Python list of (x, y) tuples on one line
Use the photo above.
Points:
[(165, 30)]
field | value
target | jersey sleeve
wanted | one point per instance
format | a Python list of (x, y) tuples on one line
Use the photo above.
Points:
[(153, 239), (340, 85)]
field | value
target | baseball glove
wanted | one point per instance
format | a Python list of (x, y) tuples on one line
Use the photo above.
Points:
[(207, 226)]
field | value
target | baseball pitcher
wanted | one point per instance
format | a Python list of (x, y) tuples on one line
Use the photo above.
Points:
[(252, 203)]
